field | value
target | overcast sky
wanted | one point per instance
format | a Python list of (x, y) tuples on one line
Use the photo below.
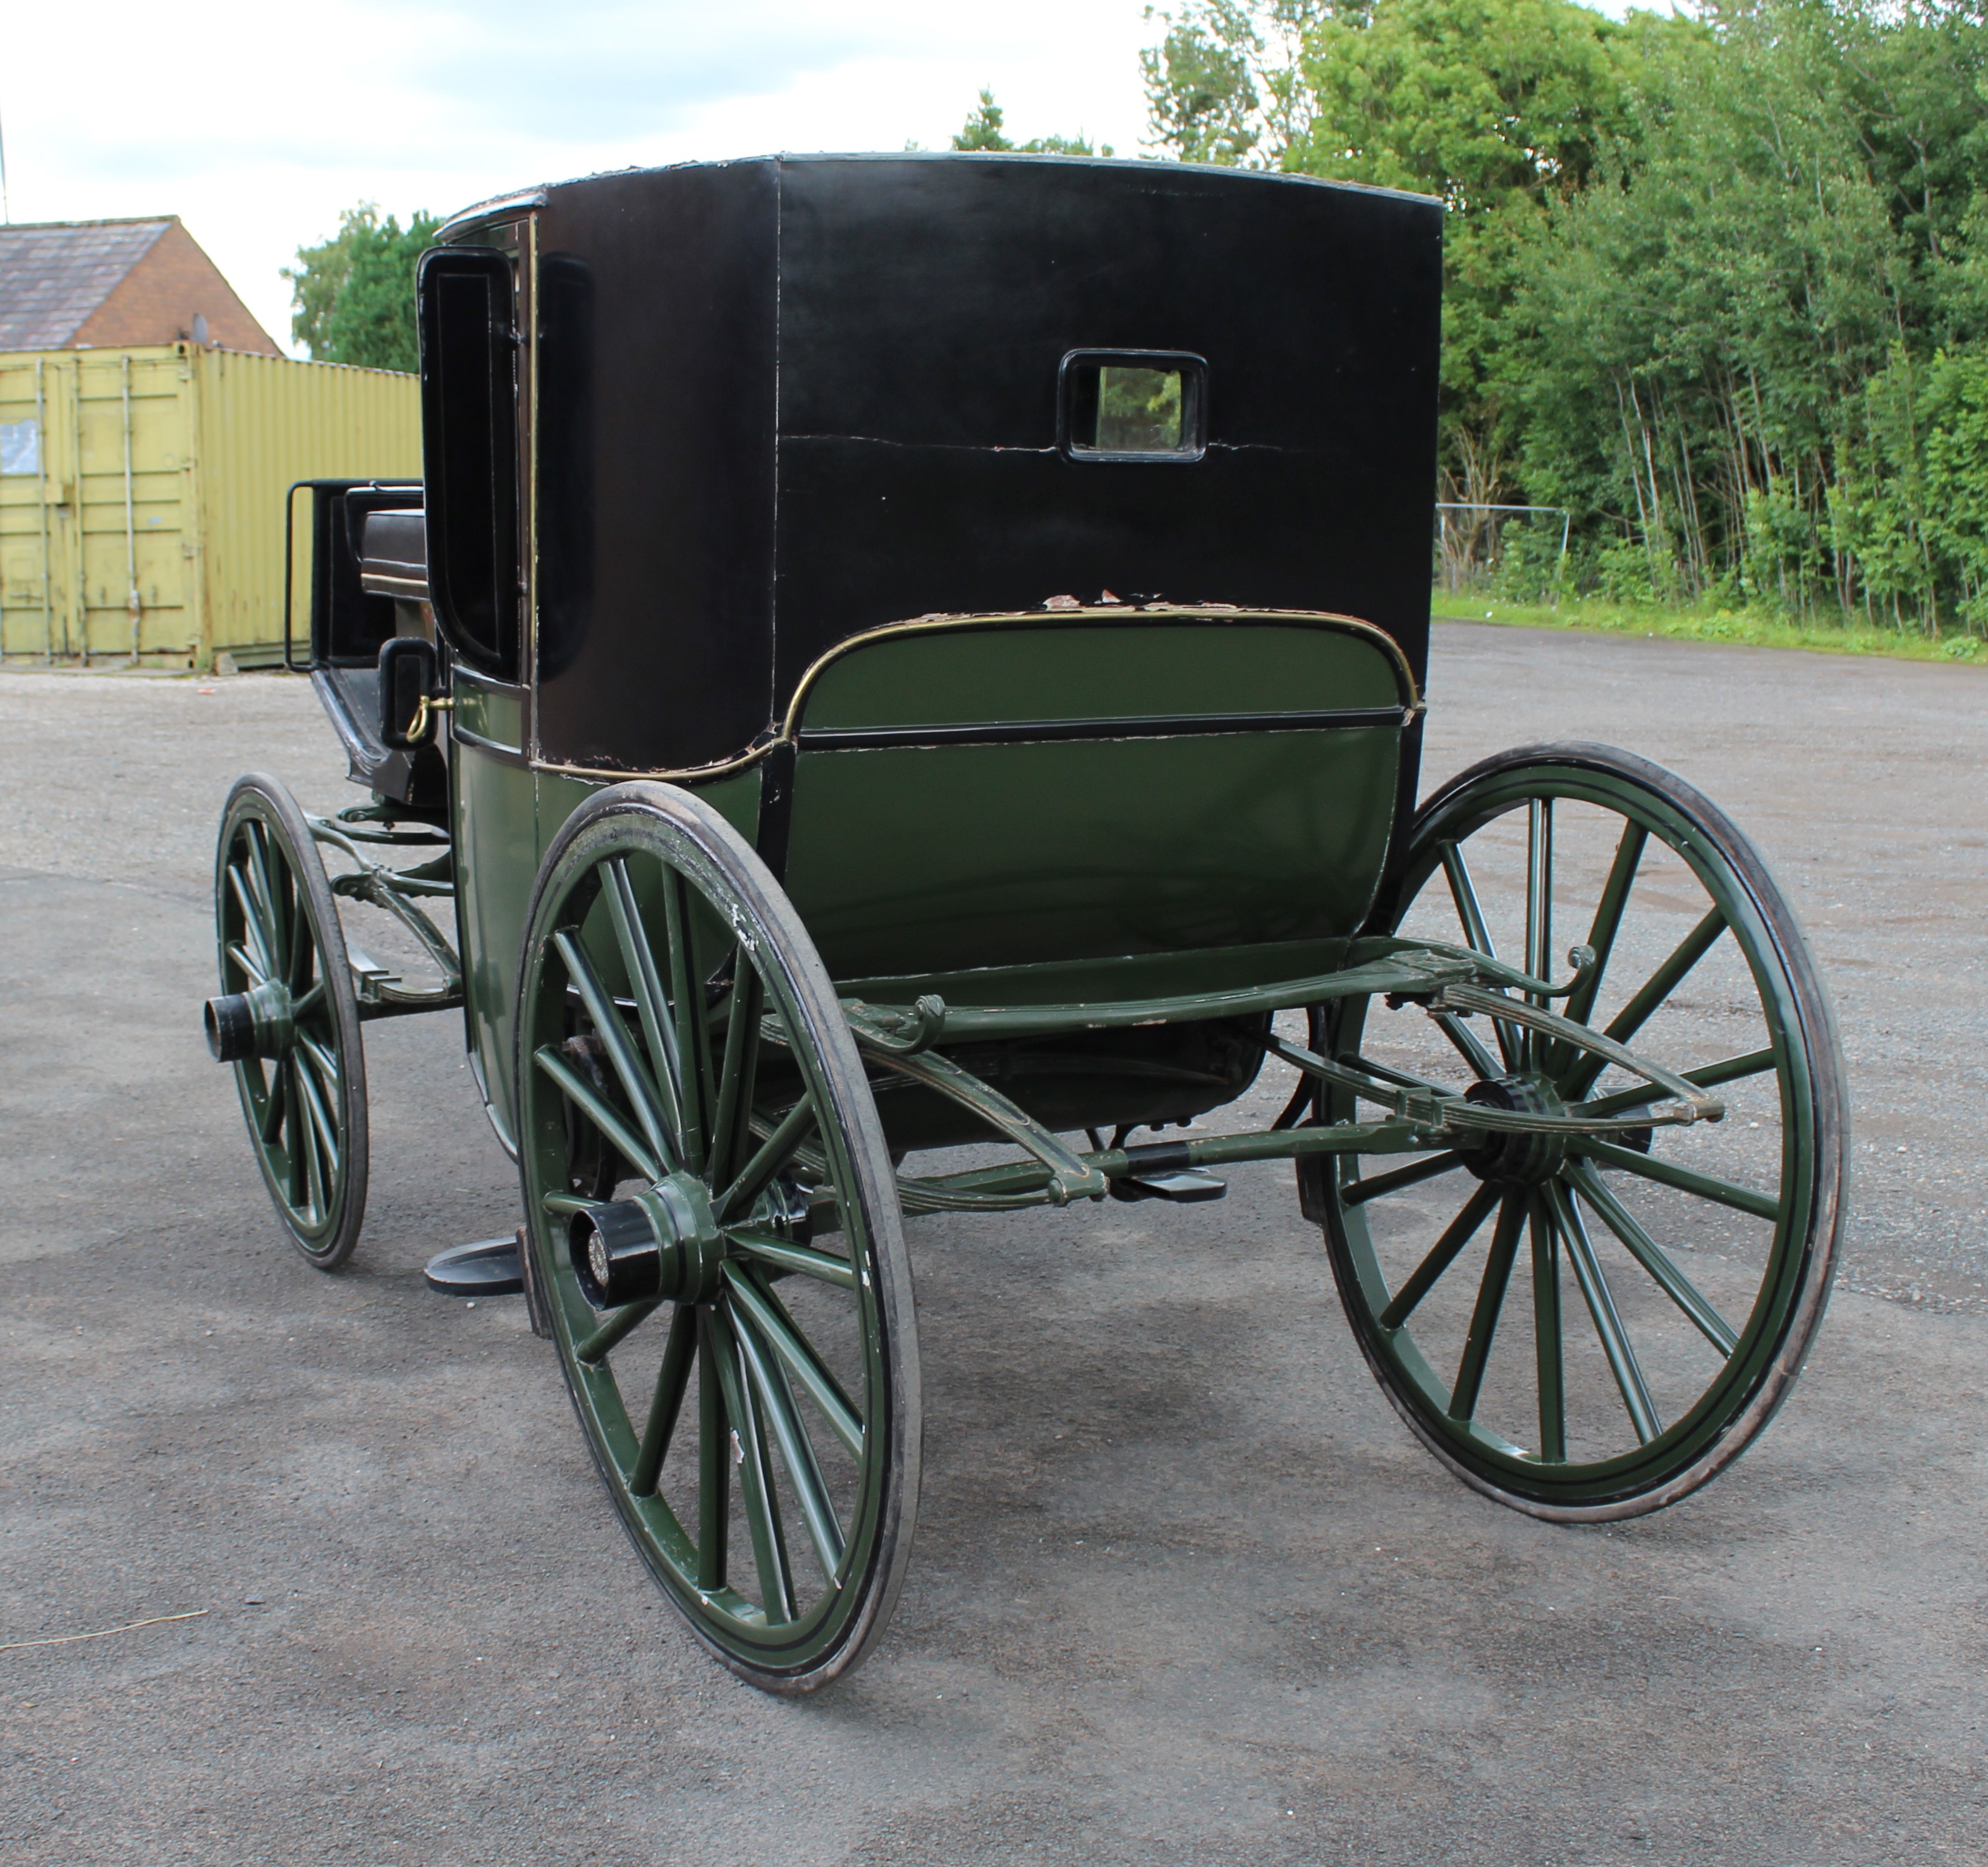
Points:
[(257, 123)]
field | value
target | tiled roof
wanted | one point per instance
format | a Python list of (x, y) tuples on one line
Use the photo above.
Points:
[(55, 273)]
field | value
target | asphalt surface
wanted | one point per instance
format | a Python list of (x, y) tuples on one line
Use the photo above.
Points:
[(1185, 1590)]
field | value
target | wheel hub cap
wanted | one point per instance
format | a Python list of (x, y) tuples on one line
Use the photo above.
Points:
[(1502, 1158), (257, 1022), (662, 1242)]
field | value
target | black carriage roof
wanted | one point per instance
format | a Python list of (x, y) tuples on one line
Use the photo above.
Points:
[(520, 201), (787, 400)]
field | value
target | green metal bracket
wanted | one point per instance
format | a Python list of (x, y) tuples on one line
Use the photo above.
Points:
[(1445, 981), (394, 892)]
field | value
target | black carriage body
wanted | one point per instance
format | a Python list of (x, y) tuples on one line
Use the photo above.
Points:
[(782, 402)]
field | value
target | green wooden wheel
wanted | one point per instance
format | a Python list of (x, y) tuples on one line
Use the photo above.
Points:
[(288, 1021), (1589, 1330), (714, 1235)]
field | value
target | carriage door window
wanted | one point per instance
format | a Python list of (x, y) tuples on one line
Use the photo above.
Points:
[(1134, 405), (469, 436)]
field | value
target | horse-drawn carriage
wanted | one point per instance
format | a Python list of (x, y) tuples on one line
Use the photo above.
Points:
[(908, 672)]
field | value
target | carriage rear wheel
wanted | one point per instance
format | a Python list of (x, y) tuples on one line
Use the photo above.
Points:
[(715, 1230), (287, 1019), (1590, 1329)]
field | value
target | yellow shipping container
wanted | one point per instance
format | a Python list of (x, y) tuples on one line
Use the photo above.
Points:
[(141, 493)]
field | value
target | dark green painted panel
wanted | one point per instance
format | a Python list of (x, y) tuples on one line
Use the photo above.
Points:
[(496, 858), (923, 860), (1084, 671), (1111, 979), (559, 795), (736, 798), (490, 713)]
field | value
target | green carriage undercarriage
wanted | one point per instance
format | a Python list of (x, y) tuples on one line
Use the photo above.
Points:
[(917, 1043), (688, 1051)]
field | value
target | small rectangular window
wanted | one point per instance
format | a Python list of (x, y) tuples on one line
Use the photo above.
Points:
[(1134, 405), (20, 446)]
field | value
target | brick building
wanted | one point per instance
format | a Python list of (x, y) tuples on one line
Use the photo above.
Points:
[(98, 284)]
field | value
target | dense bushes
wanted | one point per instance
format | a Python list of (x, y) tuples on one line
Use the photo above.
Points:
[(1718, 285)]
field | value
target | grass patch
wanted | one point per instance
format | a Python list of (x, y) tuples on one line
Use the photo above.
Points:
[(1709, 625)]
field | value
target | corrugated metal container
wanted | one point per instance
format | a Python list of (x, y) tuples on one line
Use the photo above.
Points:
[(141, 493)]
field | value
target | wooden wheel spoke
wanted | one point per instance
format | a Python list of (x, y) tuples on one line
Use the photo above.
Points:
[(756, 1479), (1361, 1191), (805, 1259), (714, 1460), (776, 1328), (266, 1097), (1462, 1229), (1731, 1070), (636, 1083), (776, 1406), (1653, 1258), (323, 1060), (731, 1128), (1477, 936), (304, 957), (1607, 921), (262, 884), (245, 962), (693, 1027), (615, 1328), (1658, 987), (583, 1096), (651, 1004), (296, 1121), (1490, 1303), (672, 1383), (1549, 1349), (1401, 1078), (253, 923), (1593, 1282), (1468, 1047), (319, 1123), (1685, 1179), (304, 1141), (774, 1153), (1539, 911)]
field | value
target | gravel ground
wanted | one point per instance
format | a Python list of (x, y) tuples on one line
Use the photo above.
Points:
[(1148, 1619)]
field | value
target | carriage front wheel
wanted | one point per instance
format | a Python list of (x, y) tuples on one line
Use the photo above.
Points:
[(1589, 1327), (715, 1235), (287, 1018)]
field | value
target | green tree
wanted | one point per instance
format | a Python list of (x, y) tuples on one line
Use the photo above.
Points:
[(1725, 340), (1499, 107), (984, 129), (354, 293), (1719, 285)]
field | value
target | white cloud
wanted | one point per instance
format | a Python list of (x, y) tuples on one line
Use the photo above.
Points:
[(258, 126)]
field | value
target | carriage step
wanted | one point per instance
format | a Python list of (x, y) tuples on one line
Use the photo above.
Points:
[(1183, 1186), (490, 1267)]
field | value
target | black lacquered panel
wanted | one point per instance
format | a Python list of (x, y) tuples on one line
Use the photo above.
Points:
[(657, 391), (783, 402)]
